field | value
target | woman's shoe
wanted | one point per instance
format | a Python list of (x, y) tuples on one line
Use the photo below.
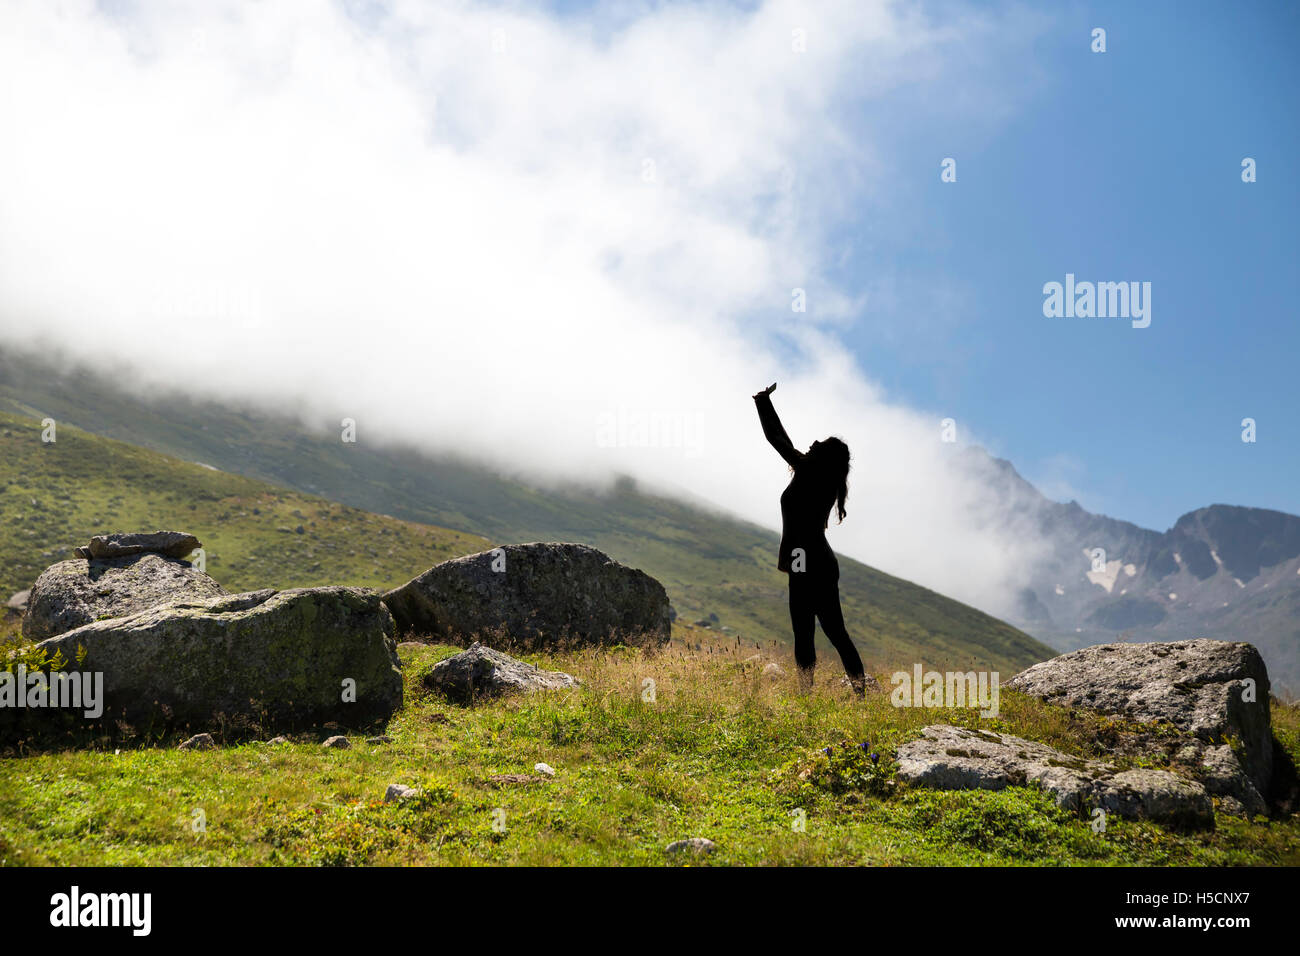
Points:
[(805, 680)]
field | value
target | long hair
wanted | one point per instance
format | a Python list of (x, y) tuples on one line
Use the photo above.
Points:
[(829, 460)]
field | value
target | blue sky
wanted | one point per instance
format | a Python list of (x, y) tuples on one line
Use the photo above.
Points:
[(1117, 166)]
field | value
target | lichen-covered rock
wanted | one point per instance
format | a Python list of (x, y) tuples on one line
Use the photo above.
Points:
[(72, 593), (482, 672), (953, 758), (1223, 775), (1144, 793), (272, 657), (534, 595), (1216, 691), (170, 544)]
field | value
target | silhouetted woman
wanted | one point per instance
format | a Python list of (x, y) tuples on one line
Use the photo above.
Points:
[(821, 476)]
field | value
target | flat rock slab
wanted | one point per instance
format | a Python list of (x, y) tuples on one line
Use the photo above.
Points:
[(499, 780), (542, 594), (952, 758), (73, 593), (483, 672), (171, 544), (276, 658), (1200, 687)]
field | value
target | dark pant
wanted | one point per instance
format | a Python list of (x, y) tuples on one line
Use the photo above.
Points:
[(814, 595)]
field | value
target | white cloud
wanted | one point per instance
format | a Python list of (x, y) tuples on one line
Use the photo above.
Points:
[(436, 219)]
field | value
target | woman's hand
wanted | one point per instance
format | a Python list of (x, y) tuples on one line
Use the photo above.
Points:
[(766, 391)]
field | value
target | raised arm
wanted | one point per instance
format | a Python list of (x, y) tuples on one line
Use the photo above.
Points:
[(773, 429)]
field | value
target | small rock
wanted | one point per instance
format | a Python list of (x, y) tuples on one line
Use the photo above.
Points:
[(695, 844), (338, 742), (1221, 772), (198, 742), (773, 670), (278, 740), (482, 671), (869, 684), (398, 791), (544, 768), (1156, 795), (381, 739), (1231, 806), (172, 544)]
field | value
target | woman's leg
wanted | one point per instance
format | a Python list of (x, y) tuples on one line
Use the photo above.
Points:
[(803, 612), (832, 618)]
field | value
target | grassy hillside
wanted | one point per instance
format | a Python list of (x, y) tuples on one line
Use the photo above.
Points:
[(721, 752), (55, 496), (711, 563)]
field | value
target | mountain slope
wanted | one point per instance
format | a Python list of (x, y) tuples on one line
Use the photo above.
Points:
[(711, 563), (1224, 571), (55, 496)]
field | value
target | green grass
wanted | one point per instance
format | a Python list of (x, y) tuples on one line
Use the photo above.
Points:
[(721, 752)]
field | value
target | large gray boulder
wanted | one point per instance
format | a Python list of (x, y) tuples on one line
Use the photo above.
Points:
[(277, 658), (533, 595), (484, 672), (73, 593), (952, 758), (1215, 691)]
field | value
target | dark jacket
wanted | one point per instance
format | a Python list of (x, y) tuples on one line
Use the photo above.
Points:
[(805, 504)]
